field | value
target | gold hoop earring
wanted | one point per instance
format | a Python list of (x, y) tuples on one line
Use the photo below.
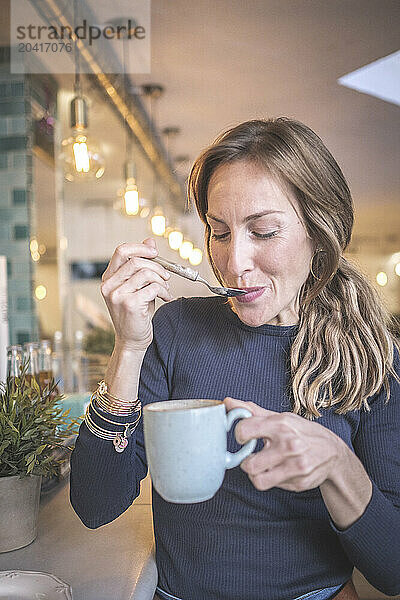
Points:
[(311, 264)]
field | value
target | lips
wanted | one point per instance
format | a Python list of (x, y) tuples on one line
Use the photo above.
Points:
[(252, 293)]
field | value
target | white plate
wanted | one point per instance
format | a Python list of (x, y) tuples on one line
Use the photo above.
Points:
[(31, 585)]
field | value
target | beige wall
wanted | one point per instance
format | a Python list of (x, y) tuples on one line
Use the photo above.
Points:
[(94, 232), (49, 311), (375, 244)]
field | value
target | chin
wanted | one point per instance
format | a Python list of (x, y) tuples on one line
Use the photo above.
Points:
[(253, 317), (252, 322)]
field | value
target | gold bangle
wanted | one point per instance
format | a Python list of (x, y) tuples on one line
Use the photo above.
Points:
[(104, 434), (112, 407), (103, 391), (114, 422), (112, 404), (119, 441), (118, 438)]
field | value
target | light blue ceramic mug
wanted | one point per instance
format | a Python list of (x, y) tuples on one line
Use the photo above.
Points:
[(186, 447)]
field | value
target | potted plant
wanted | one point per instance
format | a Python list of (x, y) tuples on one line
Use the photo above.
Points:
[(32, 424)]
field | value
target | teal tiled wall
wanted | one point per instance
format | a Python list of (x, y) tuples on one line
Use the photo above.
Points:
[(15, 203)]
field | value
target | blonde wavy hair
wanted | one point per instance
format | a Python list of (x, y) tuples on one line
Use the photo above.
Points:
[(343, 352)]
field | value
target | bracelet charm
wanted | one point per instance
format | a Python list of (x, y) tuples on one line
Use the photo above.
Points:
[(118, 438), (120, 443)]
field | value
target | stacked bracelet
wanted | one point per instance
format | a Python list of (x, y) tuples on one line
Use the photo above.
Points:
[(113, 405), (104, 401)]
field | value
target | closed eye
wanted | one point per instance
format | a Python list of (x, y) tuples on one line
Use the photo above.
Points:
[(261, 236), (265, 236)]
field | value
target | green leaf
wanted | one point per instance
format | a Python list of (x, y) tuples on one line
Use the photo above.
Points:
[(32, 423)]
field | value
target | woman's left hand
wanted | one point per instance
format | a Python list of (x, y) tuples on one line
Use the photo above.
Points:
[(298, 454)]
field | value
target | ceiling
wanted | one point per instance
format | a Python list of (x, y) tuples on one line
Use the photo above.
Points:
[(225, 61)]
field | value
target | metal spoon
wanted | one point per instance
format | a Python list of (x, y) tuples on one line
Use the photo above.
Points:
[(189, 273)]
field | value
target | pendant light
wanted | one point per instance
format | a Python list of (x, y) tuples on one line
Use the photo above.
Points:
[(174, 232), (131, 205), (131, 194), (195, 257), (175, 238), (158, 221), (81, 157), (185, 249)]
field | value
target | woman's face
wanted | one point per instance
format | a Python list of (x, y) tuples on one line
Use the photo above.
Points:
[(258, 241)]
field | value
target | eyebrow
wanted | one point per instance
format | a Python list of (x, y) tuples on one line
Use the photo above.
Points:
[(249, 218)]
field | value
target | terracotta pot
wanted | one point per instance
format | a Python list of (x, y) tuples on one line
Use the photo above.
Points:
[(19, 509)]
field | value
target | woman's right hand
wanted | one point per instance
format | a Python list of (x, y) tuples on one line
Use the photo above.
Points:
[(130, 285)]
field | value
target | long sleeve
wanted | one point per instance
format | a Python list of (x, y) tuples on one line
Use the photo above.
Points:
[(104, 483), (202, 350), (372, 543)]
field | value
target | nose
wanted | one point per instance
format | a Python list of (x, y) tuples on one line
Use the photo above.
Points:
[(240, 257)]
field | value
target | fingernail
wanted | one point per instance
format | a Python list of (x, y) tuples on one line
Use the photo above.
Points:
[(153, 250)]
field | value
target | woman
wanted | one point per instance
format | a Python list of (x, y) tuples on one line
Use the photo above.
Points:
[(306, 350)]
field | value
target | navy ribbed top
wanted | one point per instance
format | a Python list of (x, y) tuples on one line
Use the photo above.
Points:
[(246, 544)]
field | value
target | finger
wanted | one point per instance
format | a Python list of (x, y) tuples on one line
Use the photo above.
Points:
[(271, 425), (255, 409), (150, 242), (272, 455), (145, 277), (132, 301), (309, 482), (126, 250), (294, 474), (151, 292), (128, 269), (135, 283)]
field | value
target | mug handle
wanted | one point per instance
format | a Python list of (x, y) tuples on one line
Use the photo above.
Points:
[(233, 459)]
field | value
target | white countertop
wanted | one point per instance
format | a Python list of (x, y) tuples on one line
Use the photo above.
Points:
[(113, 562)]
